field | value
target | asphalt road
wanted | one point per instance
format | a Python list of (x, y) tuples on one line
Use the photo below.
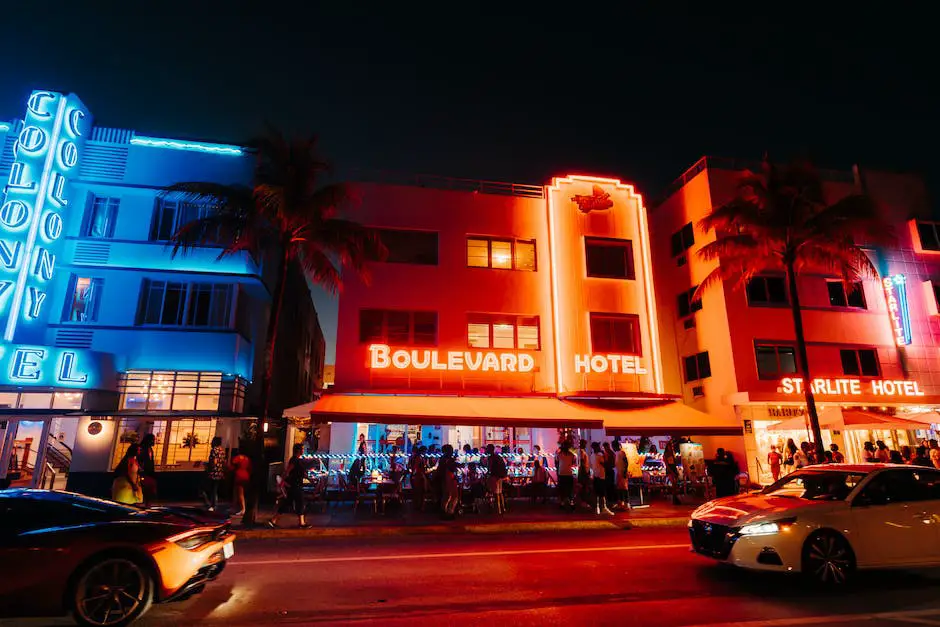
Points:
[(639, 577)]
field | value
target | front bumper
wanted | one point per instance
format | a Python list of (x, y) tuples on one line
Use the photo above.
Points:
[(779, 552)]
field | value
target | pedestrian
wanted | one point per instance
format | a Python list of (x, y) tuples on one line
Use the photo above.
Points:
[(672, 471), (419, 477), (934, 453), (883, 453), (565, 468), (801, 457), (907, 454), (610, 479), (598, 467), (539, 481), (921, 458), (126, 485), (734, 473), (584, 474), (295, 473), (497, 474), (837, 456), (790, 456), (894, 457), (241, 479), (810, 452), (215, 473), (467, 453), (868, 453), (621, 468), (148, 469), (774, 459), (363, 448), (447, 469)]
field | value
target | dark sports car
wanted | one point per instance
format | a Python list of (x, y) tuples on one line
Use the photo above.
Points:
[(103, 562)]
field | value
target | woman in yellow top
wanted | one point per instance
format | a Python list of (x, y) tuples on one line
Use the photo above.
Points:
[(126, 485)]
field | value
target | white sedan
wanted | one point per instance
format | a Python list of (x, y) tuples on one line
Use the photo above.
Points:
[(826, 521)]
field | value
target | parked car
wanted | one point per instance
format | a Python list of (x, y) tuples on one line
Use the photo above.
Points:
[(103, 562), (827, 521)]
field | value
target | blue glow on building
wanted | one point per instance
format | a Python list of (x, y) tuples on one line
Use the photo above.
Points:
[(174, 144)]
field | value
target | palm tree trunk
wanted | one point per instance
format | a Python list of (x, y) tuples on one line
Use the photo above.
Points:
[(804, 361), (260, 474)]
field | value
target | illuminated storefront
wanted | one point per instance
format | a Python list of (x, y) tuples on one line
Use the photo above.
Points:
[(106, 337)]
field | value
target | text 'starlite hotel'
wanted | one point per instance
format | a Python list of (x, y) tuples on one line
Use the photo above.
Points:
[(105, 335), (506, 311)]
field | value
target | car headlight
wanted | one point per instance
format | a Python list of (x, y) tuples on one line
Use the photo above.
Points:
[(766, 528)]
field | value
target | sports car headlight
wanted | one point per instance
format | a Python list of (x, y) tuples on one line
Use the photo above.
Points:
[(766, 528)]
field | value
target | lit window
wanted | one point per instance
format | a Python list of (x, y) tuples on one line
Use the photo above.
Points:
[(615, 333), (478, 335), (503, 254), (101, 217), (775, 361), (609, 258), (84, 300), (504, 336), (168, 389), (501, 331)]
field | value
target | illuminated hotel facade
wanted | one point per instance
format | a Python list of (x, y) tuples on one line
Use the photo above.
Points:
[(504, 313), (106, 335), (874, 350)]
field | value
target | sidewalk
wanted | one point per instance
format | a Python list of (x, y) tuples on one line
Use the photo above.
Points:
[(523, 517)]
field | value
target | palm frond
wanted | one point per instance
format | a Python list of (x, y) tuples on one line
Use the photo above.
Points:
[(321, 269), (742, 244), (843, 259)]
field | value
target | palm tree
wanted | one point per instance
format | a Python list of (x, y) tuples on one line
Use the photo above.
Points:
[(780, 221), (288, 217)]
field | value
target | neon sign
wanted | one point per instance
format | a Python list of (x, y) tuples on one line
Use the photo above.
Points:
[(31, 217), (381, 356), (219, 149), (616, 364), (853, 387), (895, 287), (47, 366)]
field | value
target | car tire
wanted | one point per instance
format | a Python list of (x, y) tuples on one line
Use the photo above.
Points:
[(111, 591), (828, 559)]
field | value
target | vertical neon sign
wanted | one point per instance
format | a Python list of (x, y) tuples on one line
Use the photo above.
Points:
[(895, 287), (35, 204)]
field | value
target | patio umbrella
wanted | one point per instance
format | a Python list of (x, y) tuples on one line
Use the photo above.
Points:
[(926, 419)]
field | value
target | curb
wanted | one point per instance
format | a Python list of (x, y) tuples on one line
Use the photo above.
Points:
[(473, 528)]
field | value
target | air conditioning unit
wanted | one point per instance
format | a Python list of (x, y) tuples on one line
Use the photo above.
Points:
[(698, 391), (688, 323)]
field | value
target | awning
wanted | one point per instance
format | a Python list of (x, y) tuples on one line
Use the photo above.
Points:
[(849, 420), (529, 411)]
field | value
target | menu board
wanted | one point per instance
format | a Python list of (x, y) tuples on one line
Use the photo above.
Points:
[(693, 460)]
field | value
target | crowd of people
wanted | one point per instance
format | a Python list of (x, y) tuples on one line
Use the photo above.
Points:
[(792, 457)]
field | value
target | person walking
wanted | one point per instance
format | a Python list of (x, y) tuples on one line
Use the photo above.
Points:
[(497, 474), (598, 467), (126, 485), (565, 467), (241, 479), (883, 453), (921, 458), (800, 457), (215, 473), (837, 456), (610, 479), (447, 469), (539, 481), (672, 471), (419, 477), (774, 460), (621, 468), (868, 453), (148, 469), (295, 473), (584, 474)]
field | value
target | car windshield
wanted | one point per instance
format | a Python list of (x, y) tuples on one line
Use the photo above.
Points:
[(816, 485)]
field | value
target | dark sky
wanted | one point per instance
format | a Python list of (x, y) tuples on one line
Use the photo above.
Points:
[(485, 91)]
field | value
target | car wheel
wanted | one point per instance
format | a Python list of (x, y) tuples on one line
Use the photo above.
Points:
[(111, 592), (828, 559)]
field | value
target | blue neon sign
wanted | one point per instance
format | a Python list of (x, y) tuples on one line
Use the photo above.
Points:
[(895, 287), (36, 203), (175, 144), (54, 367)]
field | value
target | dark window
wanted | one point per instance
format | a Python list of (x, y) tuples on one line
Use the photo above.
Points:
[(609, 258), (775, 361), (85, 299), (616, 333), (398, 328), (767, 290), (168, 303), (697, 367), (929, 235), (418, 247), (506, 254), (839, 298), (101, 217), (503, 331), (683, 239), (687, 306), (860, 362), (936, 293), (170, 215)]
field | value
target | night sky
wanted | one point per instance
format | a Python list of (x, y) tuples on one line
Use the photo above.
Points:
[(485, 91)]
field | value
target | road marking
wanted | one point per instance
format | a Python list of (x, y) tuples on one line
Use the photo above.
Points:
[(424, 556), (911, 616)]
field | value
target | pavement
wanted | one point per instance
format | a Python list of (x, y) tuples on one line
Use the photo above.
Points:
[(642, 577)]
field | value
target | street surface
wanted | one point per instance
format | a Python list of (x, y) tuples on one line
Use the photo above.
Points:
[(639, 577)]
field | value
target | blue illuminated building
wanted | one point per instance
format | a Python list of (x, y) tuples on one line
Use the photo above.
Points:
[(105, 335)]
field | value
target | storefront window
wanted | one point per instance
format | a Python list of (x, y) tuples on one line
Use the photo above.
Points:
[(67, 400), (35, 400), (167, 389), (179, 443)]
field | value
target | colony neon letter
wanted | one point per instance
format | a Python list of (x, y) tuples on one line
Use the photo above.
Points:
[(381, 357)]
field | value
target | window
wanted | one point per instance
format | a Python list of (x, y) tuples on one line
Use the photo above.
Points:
[(101, 217), (839, 298), (687, 306), (167, 303), (182, 442), (775, 361), (901, 486), (398, 328), (697, 367), (85, 297), (417, 247), (929, 235), (503, 331), (170, 390), (616, 333), (767, 290), (860, 362), (507, 254), (170, 215), (682, 239), (609, 258)]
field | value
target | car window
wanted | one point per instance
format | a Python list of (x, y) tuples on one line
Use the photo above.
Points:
[(816, 485), (26, 513), (901, 486)]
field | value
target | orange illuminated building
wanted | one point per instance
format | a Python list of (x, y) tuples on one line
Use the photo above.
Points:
[(874, 347), (504, 313)]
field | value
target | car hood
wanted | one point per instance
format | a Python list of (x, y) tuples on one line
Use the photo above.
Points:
[(734, 511), (179, 516)]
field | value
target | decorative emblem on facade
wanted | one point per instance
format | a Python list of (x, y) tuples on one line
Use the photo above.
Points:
[(599, 200)]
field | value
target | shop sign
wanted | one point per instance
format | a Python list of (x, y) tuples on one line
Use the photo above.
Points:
[(785, 412), (853, 387), (895, 287), (382, 356), (52, 367), (32, 215)]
